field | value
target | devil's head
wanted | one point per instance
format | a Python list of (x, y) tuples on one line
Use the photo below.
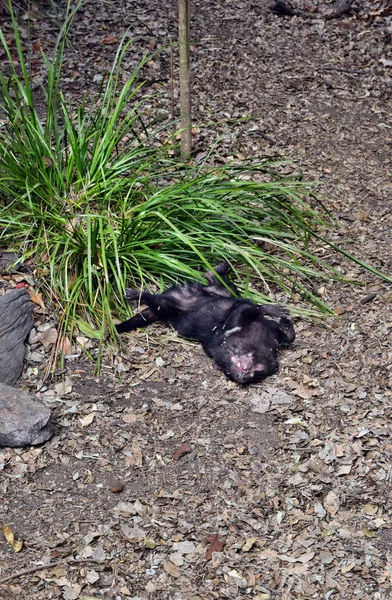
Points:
[(247, 353)]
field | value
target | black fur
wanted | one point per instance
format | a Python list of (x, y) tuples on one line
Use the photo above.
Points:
[(233, 331)]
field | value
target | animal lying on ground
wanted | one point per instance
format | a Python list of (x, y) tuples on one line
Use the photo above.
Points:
[(233, 331)]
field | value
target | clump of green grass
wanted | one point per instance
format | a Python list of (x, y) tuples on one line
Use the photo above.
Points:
[(96, 203)]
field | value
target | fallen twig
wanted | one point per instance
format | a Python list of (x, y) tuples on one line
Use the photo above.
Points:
[(55, 563), (349, 71), (297, 449)]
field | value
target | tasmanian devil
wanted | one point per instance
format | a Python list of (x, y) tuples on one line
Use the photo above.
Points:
[(233, 331)]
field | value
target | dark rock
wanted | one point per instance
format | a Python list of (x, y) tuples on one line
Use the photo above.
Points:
[(16, 321), (368, 298), (24, 421), (116, 487)]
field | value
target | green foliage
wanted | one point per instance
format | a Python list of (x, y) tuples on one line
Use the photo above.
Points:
[(90, 196)]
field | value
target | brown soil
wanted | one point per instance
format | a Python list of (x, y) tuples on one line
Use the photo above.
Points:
[(299, 492)]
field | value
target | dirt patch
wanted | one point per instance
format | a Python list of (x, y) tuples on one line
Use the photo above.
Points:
[(301, 494)]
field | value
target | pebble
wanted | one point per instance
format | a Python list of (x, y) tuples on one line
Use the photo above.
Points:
[(116, 487)]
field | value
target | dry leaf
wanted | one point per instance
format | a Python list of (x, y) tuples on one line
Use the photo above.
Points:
[(48, 337), (368, 533), (261, 404), (331, 503), (370, 509), (18, 545), (303, 392), (137, 454), (61, 581), (92, 576), (130, 418), (344, 470), (64, 387), (268, 555), (37, 299), (362, 216), (56, 572), (132, 534), (184, 449), (326, 557), (171, 569), (87, 420), (279, 397), (133, 455), (89, 478), (215, 546), (303, 558), (109, 39), (184, 547), (64, 345), (72, 591), (9, 535), (250, 542), (10, 538), (296, 421), (348, 567), (237, 578)]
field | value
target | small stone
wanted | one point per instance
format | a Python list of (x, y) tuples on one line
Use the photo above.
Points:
[(116, 487), (184, 547), (368, 298), (320, 510), (177, 559), (326, 557), (24, 421), (260, 404), (238, 579)]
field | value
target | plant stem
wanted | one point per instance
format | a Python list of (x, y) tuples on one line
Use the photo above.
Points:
[(185, 92)]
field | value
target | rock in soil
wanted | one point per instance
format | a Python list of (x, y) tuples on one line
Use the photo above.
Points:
[(16, 321), (24, 421)]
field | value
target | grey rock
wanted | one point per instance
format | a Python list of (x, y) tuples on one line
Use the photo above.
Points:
[(24, 421), (16, 321), (6, 259)]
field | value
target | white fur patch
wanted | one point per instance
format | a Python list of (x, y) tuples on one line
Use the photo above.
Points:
[(230, 331)]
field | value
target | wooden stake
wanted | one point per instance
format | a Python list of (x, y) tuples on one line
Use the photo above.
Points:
[(185, 91)]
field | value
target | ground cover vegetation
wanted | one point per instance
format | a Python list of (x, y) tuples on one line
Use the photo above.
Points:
[(164, 479), (96, 198)]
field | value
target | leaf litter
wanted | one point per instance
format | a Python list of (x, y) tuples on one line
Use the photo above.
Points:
[(286, 489)]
